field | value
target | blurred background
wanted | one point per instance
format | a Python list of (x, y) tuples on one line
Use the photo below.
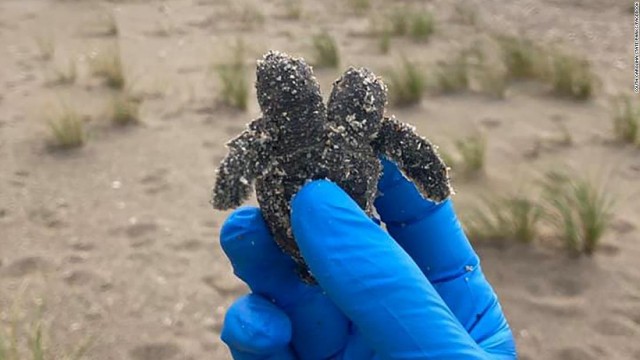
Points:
[(114, 116)]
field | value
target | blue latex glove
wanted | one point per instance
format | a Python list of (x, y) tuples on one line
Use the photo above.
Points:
[(414, 292)]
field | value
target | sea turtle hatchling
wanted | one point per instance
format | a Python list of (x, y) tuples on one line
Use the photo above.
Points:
[(297, 139)]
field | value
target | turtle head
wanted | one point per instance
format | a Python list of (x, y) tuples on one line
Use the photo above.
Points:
[(357, 103), (285, 85)]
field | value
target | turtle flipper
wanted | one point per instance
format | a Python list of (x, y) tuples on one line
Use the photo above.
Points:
[(415, 156), (248, 157)]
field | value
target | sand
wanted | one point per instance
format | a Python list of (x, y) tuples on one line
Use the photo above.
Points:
[(117, 244)]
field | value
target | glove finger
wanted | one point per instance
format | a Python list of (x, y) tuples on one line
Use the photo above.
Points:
[(430, 233), (257, 260), (372, 280), (319, 328), (284, 355), (357, 348), (255, 326)]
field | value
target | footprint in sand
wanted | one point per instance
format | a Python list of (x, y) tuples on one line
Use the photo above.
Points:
[(617, 327), (622, 226), (209, 347), (210, 223), (146, 257), (140, 229), (491, 123), (82, 246), (26, 266), (188, 245), (21, 173), (138, 234), (567, 286), (140, 258), (86, 278), (559, 306), (141, 243), (157, 351), (75, 259), (156, 181), (208, 144), (46, 217), (534, 288), (609, 249), (575, 353), (634, 316), (19, 183), (629, 311)]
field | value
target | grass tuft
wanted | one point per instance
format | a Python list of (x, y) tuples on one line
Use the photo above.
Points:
[(505, 218), (36, 345), (64, 75), (522, 57), (470, 69), (626, 121), (67, 128), (422, 26), (293, 9), (492, 80), (125, 110), (108, 65), (465, 13), (3, 351), (417, 24), (452, 76), (234, 80), (251, 17), (580, 210), (25, 338), (568, 75), (384, 43), (565, 138), (472, 151), (571, 76), (360, 6), (326, 51), (489, 73), (406, 84), (400, 21)]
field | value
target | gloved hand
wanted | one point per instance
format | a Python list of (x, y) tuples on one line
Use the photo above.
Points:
[(415, 291)]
